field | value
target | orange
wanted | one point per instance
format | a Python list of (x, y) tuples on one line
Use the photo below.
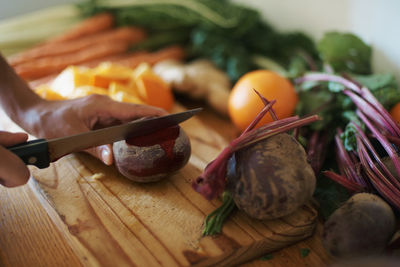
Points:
[(395, 112), (244, 104), (154, 91)]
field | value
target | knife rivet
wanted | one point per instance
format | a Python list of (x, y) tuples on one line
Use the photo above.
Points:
[(32, 160)]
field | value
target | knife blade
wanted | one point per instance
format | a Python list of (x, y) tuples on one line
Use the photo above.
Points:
[(41, 152)]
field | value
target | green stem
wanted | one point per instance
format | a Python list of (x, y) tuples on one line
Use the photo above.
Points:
[(215, 220)]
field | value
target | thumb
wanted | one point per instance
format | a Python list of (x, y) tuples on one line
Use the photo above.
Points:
[(103, 153)]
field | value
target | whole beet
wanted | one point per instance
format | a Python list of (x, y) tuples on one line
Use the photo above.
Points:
[(362, 226), (271, 178)]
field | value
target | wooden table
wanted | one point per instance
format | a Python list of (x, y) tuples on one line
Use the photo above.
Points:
[(29, 238)]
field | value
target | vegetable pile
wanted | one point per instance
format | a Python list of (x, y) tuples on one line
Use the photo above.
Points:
[(234, 37), (351, 151), (139, 85)]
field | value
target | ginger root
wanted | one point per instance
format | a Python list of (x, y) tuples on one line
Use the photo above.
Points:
[(199, 79)]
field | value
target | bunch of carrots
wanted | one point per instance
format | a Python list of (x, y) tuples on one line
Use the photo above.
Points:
[(91, 42)]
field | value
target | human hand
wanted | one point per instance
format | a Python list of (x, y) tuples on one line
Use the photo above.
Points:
[(13, 171), (50, 119)]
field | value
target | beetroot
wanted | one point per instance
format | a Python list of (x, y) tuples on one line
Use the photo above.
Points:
[(271, 178), (361, 227), (154, 156)]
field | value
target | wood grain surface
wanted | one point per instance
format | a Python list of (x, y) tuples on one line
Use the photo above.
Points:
[(101, 217)]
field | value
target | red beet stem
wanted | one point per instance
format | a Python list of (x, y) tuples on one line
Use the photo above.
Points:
[(266, 102), (344, 181), (259, 116)]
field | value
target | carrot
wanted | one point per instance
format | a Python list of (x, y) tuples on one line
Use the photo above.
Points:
[(91, 25), (111, 58), (48, 65), (39, 69), (171, 52), (124, 34)]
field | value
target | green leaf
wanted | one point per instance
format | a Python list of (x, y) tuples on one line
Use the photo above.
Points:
[(335, 87), (345, 52), (383, 86), (304, 252), (267, 257), (297, 67), (215, 220)]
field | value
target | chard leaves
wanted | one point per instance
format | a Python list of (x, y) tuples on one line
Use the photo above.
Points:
[(345, 52), (383, 86)]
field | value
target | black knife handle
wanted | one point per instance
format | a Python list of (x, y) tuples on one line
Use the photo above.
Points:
[(35, 152)]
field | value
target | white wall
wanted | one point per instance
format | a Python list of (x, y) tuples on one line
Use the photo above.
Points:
[(9, 8), (376, 21)]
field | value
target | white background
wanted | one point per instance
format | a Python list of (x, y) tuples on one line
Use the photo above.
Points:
[(376, 21)]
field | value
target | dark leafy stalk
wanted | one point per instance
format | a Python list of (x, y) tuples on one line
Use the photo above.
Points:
[(215, 220), (373, 101), (316, 151), (377, 159), (363, 166), (266, 102), (321, 77), (383, 141), (370, 111), (347, 165), (265, 110), (381, 183), (344, 181), (394, 140), (266, 133)]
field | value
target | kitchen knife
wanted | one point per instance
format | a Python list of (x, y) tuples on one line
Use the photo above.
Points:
[(41, 152)]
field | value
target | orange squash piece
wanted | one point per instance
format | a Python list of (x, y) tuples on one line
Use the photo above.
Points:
[(154, 91)]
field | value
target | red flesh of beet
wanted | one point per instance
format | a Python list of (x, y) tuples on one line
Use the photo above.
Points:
[(165, 138), (137, 158)]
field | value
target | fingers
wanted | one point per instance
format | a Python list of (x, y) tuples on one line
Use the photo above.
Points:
[(127, 111), (147, 111), (103, 153), (13, 172), (10, 139)]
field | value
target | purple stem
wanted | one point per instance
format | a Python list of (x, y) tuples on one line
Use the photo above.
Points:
[(370, 111), (259, 116), (241, 143), (266, 102), (272, 125), (350, 185), (363, 91), (384, 142), (347, 164), (370, 147), (386, 189), (328, 78), (367, 95), (394, 140)]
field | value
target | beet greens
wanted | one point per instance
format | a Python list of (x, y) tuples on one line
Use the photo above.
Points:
[(360, 165)]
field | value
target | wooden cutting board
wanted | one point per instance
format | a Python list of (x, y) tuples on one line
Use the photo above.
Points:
[(111, 221)]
